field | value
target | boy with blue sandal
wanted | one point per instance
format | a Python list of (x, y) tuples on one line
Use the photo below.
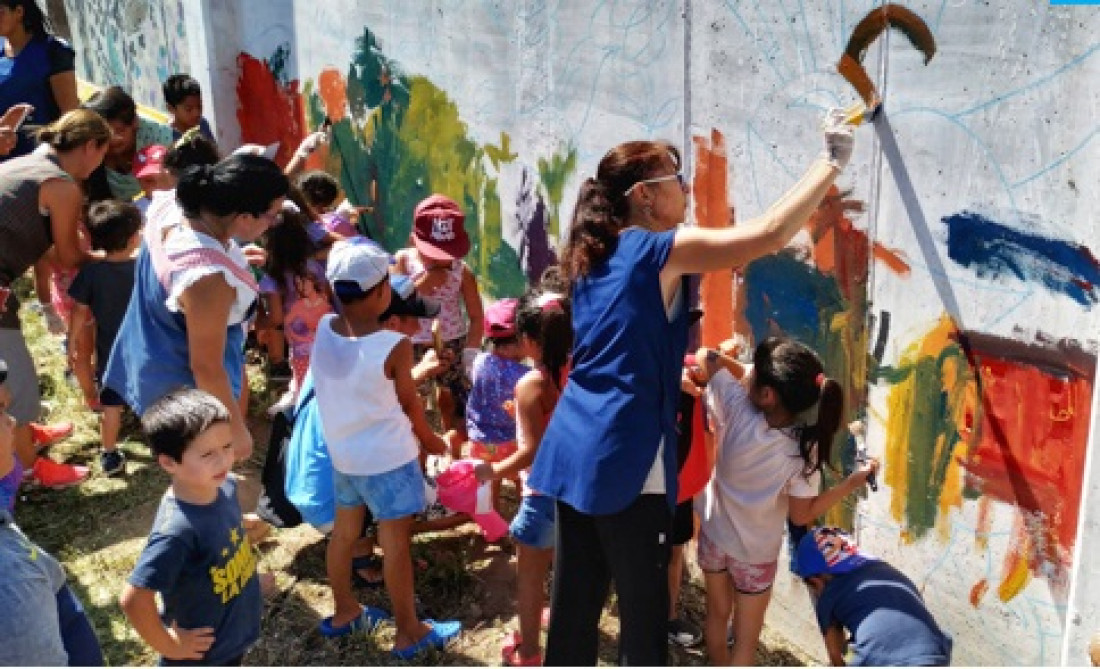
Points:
[(372, 419)]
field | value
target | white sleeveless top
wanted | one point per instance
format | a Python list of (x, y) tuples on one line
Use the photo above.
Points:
[(365, 427)]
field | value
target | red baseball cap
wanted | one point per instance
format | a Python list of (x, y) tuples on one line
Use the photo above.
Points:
[(150, 161), (438, 228), (500, 318)]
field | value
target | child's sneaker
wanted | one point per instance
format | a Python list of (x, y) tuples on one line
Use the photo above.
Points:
[(52, 474), (47, 435), (684, 633), (112, 462)]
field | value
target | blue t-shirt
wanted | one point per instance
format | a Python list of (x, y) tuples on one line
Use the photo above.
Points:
[(889, 623), (105, 288), (493, 383), (624, 385), (26, 78), (200, 560), (29, 581), (204, 130)]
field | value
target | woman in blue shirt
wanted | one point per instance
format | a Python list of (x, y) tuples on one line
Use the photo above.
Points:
[(609, 453), (36, 68)]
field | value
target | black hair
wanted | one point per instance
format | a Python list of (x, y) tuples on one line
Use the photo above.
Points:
[(111, 224), (113, 104), (797, 376), (288, 246), (178, 418), (320, 188), (545, 318), (349, 292), (34, 20), (240, 184), (179, 87), (603, 207), (192, 148)]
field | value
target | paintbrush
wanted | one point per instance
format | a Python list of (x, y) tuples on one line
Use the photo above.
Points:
[(858, 432), (860, 112)]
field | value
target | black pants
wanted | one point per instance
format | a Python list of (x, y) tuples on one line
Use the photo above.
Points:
[(631, 548)]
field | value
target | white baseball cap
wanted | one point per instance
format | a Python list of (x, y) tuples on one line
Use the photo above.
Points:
[(366, 265), (268, 151)]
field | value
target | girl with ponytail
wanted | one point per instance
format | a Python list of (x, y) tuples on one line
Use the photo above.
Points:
[(609, 454), (774, 424), (193, 291), (545, 333)]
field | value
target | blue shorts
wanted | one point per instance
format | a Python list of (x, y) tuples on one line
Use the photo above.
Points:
[(389, 495), (535, 522)]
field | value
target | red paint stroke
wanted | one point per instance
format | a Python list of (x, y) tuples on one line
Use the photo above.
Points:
[(978, 591), (712, 210), (1032, 437), (841, 249), (268, 111)]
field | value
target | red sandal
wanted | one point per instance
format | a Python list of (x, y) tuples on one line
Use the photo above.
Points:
[(511, 657)]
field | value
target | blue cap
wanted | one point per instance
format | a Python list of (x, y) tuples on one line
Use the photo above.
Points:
[(828, 550)]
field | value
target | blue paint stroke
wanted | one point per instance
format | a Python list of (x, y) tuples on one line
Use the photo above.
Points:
[(993, 250), (784, 294)]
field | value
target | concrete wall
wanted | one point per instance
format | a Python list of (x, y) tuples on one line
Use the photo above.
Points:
[(948, 283)]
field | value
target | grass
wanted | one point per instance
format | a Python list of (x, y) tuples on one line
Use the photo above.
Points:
[(98, 529)]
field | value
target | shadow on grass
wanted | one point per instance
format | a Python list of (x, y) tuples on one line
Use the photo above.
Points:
[(106, 620)]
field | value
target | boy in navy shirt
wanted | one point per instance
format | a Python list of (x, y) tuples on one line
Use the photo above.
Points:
[(101, 293), (198, 556), (877, 604), (183, 97)]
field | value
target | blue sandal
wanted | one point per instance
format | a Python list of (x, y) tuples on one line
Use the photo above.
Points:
[(367, 621), (440, 634)]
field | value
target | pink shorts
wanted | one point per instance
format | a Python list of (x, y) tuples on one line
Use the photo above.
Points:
[(750, 579), (492, 452)]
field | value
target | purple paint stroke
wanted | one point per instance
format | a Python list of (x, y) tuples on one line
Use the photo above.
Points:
[(993, 250), (535, 253)]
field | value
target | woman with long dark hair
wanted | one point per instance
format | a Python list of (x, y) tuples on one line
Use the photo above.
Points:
[(609, 453), (193, 291)]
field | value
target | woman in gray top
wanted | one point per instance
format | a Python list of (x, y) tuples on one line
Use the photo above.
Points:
[(40, 207)]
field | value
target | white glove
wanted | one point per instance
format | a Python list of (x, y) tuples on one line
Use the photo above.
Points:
[(310, 143), (839, 138)]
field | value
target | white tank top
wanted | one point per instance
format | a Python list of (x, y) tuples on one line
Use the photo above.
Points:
[(365, 427)]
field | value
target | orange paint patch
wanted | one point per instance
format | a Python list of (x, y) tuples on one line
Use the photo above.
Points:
[(978, 591), (267, 110), (334, 93), (712, 210)]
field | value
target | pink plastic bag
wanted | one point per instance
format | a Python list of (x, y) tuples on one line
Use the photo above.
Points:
[(459, 491)]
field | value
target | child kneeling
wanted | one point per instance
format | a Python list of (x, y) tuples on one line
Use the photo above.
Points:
[(868, 597), (371, 418)]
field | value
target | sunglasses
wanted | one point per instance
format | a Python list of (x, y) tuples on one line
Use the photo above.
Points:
[(679, 176)]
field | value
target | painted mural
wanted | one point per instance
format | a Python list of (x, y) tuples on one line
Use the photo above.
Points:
[(949, 281), (135, 44)]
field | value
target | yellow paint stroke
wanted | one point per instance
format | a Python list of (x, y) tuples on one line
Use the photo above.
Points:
[(1016, 572)]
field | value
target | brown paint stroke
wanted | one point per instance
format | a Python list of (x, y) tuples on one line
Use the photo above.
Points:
[(867, 31)]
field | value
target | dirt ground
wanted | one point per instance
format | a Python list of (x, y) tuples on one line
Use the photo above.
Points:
[(98, 529)]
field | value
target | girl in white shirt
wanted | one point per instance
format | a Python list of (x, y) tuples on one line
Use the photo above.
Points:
[(767, 466)]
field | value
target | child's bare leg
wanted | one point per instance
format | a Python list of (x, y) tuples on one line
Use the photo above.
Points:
[(345, 532), (719, 587), (748, 621), (110, 423), (394, 536), (531, 567)]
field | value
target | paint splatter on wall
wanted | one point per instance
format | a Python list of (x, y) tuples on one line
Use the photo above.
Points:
[(135, 44)]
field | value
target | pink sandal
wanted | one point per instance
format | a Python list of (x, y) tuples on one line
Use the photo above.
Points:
[(511, 657)]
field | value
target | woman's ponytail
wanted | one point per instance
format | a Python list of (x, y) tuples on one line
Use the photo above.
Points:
[(191, 189), (594, 232)]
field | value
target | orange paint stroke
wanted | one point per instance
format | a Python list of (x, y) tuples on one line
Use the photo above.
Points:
[(334, 93), (978, 591), (892, 259), (712, 210), (267, 110)]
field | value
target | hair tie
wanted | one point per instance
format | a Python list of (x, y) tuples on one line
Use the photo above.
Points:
[(548, 301), (820, 380)]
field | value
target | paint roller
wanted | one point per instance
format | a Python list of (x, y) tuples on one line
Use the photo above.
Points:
[(859, 432)]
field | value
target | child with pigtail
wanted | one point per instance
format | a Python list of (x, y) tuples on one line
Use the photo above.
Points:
[(546, 335), (774, 423)]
